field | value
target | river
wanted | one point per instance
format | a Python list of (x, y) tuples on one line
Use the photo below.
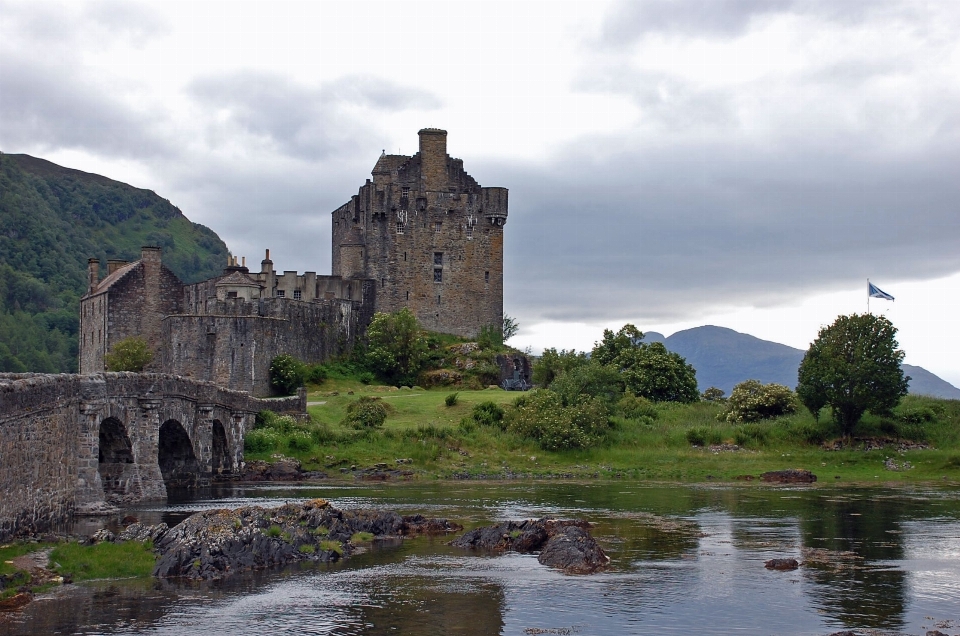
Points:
[(685, 559)]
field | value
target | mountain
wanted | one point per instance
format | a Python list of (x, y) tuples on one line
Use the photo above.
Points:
[(724, 357), (52, 219)]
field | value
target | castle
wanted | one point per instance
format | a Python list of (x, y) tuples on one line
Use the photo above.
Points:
[(422, 234)]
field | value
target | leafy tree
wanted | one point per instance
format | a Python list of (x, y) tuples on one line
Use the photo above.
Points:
[(751, 401), (552, 363), (613, 345), (130, 354), (713, 394), (396, 346), (647, 369), (287, 374), (853, 366), (594, 380), (510, 327)]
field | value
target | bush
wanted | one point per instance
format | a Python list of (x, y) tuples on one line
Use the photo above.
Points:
[(635, 408), (490, 337), (130, 354), (261, 440), (703, 436), (451, 400), (366, 377), (750, 434), (541, 416), (809, 433), (280, 423), (366, 413), (713, 394), (287, 374), (300, 441), (752, 401), (316, 374), (489, 414)]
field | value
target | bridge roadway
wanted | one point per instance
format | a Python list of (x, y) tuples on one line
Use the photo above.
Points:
[(72, 441)]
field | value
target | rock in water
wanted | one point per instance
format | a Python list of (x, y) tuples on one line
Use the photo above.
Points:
[(564, 544), (573, 550), (791, 476), (781, 564), (215, 543)]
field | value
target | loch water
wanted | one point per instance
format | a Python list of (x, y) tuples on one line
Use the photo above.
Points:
[(685, 559)]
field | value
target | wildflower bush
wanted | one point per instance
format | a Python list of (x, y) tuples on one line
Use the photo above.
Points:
[(287, 374), (541, 416), (752, 401), (368, 412)]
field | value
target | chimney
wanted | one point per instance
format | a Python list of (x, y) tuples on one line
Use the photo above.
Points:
[(93, 274), (433, 158), (113, 264), (149, 253)]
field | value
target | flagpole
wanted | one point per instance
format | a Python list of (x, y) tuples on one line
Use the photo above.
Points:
[(868, 295)]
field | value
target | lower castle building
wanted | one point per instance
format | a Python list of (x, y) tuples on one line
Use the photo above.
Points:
[(422, 234)]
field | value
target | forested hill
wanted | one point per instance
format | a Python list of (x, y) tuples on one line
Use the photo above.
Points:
[(52, 219)]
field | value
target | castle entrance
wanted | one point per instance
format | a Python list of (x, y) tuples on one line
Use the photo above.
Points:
[(178, 463)]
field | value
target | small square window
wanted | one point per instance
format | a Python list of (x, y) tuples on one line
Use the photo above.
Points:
[(436, 226), (438, 275), (281, 293), (297, 295), (401, 226)]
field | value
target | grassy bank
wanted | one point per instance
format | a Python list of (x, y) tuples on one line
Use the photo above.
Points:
[(681, 442)]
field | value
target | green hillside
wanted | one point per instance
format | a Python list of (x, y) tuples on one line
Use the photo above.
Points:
[(52, 219)]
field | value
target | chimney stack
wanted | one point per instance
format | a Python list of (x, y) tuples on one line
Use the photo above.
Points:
[(93, 274), (433, 158)]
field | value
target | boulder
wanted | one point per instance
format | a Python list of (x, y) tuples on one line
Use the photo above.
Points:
[(143, 532), (564, 544), (790, 476), (781, 564)]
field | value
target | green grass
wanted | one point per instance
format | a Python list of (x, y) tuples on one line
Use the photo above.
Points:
[(331, 546), (104, 560), (361, 537), (422, 428)]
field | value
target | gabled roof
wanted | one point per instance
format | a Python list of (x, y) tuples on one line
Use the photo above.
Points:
[(113, 278), (237, 279), (389, 163)]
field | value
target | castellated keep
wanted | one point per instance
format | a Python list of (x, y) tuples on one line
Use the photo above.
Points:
[(422, 234), (429, 236)]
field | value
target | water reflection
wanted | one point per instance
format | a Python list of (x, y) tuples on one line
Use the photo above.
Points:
[(685, 559)]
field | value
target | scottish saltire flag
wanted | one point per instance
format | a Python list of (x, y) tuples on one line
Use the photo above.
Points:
[(875, 292)]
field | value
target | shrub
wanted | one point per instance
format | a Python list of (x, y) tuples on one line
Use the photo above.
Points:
[(634, 408), (366, 413), (451, 400), (489, 414), (300, 441), (279, 423), (490, 337), (703, 436), (542, 416), (752, 401), (713, 394), (274, 531), (366, 377), (287, 374), (316, 374), (130, 354), (260, 440), (809, 433), (749, 434)]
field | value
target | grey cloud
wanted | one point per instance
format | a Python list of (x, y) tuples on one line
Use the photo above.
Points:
[(62, 26), (60, 107), (631, 20), (674, 232), (305, 121)]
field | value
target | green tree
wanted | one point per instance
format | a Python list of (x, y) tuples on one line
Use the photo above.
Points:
[(552, 363), (647, 369), (396, 346), (130, 354), (510, 327), (287, 374), (853, 366)]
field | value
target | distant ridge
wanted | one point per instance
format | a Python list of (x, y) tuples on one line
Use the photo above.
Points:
[(724, 357)]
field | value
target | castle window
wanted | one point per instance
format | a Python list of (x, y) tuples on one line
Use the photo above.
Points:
[(383, 282), (281, 293), (486, 277), (438, 299), (408, 295), (438, 258), (436, 226), (404, 192), (297, 295), (401, 226), (469, 232), (231, 294), (437, 275), (404, 257)]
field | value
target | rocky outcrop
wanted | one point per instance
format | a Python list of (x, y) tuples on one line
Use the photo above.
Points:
[(790, 476), (216, 543), (563, 544)]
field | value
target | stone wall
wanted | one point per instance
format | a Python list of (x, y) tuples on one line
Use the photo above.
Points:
[(51, 428)]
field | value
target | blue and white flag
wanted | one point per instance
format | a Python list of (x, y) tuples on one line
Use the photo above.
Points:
[(875, 292)]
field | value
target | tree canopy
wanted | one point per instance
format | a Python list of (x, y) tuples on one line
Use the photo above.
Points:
[(396, 346), (853, 367)]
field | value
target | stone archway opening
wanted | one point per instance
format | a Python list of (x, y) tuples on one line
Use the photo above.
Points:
[(115, 463), (222, 463), (178, 463)]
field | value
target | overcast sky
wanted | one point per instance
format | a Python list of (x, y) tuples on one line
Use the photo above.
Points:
[(743, 163)]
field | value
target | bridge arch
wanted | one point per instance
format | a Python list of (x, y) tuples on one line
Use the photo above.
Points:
[(115, 461), (175, 456), (221, 460)]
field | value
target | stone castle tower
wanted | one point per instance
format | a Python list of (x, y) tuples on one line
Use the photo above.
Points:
[(429, 237)]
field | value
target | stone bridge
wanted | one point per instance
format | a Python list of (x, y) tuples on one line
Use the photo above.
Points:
[(69, 441)]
